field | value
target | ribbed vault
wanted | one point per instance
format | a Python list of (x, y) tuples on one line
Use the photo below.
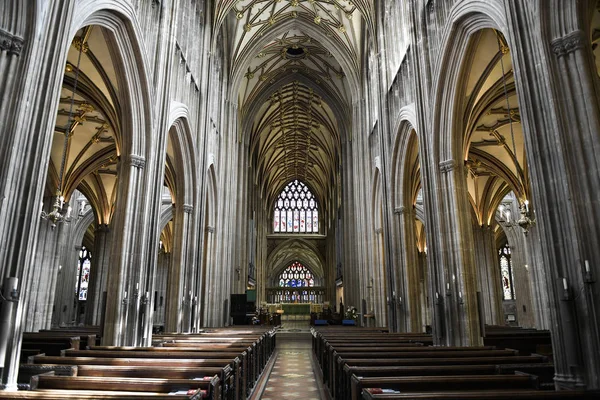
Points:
[(295, 69), (493, 147), (93, 145)]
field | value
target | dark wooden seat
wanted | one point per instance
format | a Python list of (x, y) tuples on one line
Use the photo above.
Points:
[(443, 383), (486, 395), (210, 386)]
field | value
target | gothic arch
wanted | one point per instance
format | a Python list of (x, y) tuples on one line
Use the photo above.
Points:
[(119, 17), (296, 249), (466, 18)]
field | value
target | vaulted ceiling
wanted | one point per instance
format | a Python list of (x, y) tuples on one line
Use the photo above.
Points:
[(295, 64), (493, 138), (92, 146)]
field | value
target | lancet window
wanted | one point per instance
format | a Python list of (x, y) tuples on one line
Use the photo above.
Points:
[(296, 210), (83, 273), (506, 272)]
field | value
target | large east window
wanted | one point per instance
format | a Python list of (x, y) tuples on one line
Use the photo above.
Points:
[(296, 275), (296, 210)]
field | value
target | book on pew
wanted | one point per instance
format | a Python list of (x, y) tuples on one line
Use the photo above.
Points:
[(382, 391)]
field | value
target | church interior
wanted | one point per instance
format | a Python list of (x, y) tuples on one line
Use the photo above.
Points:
[(327, 199)]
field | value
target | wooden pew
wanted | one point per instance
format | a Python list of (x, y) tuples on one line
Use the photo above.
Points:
[(343, 381), (230, 382), (411, 384), (335, 367), (485, 395), (210, 387)]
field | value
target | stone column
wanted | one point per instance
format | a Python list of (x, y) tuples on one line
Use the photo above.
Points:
[(488, 276), (162, 271), (122, 325), (561, 121), (43, 275), (179, 289), (408, 299), (460, 273), (98, 276)]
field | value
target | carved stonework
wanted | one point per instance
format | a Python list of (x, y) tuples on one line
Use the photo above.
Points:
[(10, 43), (188, 208), (447, 166), (210, 229), (136, 161), (568, 43)]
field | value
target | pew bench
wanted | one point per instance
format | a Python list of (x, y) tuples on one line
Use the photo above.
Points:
[(209, 388), (484, 395), (230, 376), (411, 384)]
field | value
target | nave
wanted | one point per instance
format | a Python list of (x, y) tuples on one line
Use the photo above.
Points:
[(425, 167)]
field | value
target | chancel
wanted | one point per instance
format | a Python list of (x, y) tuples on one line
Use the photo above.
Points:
[(335, 199)]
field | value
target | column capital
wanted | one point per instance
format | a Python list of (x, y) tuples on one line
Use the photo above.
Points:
[(188, 208), (569, 43), (402, 210), (11, 43), (102, 228), (135, 161), (448, 165), (210, 229)]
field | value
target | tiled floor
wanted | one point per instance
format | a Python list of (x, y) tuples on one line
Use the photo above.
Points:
[(292, 376)]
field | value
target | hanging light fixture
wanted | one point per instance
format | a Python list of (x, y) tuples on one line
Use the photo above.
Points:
[(58, 215), (527, 219)]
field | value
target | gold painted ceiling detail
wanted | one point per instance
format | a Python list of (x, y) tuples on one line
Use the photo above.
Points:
[(295, 137), (92, 142), (494, 146)]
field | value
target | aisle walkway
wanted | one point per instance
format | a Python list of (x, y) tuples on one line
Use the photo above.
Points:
[(292, 375)]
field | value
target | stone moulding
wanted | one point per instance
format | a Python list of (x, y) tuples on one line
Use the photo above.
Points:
[(11, 43), (568, 43), (448, 165), (136, 161)]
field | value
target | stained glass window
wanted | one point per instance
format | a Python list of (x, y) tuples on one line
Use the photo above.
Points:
[(296, 210), (296, 275), (83, 273), (506, 272)]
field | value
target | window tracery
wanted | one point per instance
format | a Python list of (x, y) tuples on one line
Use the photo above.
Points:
[(296, 275), (83, 273), (296, 210), (508, 292)]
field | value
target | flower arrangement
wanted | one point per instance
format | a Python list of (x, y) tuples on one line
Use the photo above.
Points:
[(351, 313)]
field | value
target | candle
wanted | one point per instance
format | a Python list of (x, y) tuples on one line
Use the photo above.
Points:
[(394, 292), (137, 286), (436, 295), (526, 205), (447, 286), (125, 295), (453, 278), (587, 266), (147, 296), (460, 294), (565, 283)]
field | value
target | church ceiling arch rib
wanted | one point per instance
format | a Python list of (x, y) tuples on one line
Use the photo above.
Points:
[(295, 136), (494, 148), (295, 70), (93, 146)]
